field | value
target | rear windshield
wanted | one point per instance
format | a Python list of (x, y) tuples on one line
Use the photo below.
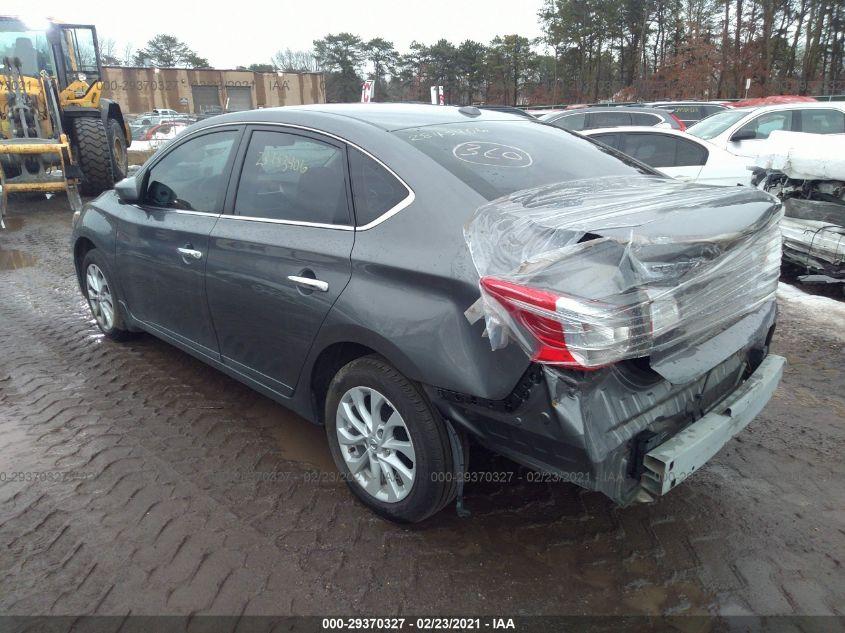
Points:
[(715, 124), (497, 158)]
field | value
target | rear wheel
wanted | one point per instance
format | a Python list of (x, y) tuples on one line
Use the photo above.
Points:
[(101, 152), (389, 443)]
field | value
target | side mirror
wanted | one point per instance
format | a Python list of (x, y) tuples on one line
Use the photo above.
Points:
[(743, 135), (128, 190)]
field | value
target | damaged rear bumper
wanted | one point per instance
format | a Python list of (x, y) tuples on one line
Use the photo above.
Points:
[(676, 459), (595, 429)]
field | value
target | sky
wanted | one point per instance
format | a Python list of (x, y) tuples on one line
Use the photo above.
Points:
[(241, 32)]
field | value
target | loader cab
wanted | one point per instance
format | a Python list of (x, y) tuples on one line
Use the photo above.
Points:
[(77, 55), (31, 47), (67, 52)]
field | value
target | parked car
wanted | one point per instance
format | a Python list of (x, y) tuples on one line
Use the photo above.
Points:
[(316, 254), (745, 131), (151, 137), (689, 112), (677, 154), (612, 116)]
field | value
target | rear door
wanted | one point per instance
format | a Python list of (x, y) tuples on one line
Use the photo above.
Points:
[(162, 242), (280, 256)]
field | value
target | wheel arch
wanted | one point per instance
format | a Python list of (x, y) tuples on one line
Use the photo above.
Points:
[(81, 247), (338, 351)]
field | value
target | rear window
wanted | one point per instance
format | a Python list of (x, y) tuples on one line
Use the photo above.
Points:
[(375, 191), (497, 158)]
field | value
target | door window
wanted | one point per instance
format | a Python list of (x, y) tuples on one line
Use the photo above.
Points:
[(823, 121), (608, 119), (374, 189), (191, 175), (611, 139), (571, 122), (663, 150), (655, 150), (293, 178), (767, 123)]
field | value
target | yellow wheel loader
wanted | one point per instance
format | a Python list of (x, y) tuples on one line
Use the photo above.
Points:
[(56, 132)]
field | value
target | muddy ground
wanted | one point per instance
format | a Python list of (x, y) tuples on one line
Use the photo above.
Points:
[(133, 478)]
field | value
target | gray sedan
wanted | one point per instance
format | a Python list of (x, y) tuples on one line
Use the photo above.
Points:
[(316, 254)]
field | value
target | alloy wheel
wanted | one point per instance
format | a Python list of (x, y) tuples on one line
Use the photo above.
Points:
[(100, 297), (375, 444)]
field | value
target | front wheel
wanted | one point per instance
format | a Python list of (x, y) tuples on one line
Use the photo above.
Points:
[(102, 297), (389, 443)]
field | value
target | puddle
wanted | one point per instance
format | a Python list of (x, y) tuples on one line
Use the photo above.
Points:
[(297, 440), (12, 260), (13, 224), (303, 442)]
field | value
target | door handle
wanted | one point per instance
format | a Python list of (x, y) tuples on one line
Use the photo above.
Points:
[(189, 252), (313, 284)]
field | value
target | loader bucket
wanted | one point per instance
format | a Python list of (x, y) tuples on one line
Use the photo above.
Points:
[(36, 165)]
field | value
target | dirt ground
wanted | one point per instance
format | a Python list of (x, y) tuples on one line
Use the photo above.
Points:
[(134, 478)]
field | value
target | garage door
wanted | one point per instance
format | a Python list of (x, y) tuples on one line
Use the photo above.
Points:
[(206, 99), (240, 98)]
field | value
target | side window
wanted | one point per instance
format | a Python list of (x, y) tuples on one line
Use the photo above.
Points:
[(823, 121), (655, 150), (190, 176), (690, 154), (767, 123), (571, 122), (374, 189), (641, 118), (611, 140), (608, 119), (294, 178)]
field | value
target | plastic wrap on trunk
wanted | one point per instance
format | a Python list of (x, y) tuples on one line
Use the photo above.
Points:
[(587, 273)]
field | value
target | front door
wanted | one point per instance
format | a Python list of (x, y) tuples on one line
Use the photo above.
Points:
[(162, 245), (279, 261)]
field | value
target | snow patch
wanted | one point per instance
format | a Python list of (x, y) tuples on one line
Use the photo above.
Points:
[(826, 313)]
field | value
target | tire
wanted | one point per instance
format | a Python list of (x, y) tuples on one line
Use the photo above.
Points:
[(434, 482), (114, 327), (99, 161)]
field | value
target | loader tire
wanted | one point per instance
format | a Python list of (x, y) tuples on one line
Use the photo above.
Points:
[(96, 156)]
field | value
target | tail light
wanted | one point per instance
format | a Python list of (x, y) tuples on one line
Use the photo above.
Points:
[(682, 126), (573, 332)]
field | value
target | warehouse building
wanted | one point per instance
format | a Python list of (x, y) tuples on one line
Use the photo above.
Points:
[(208, 91)]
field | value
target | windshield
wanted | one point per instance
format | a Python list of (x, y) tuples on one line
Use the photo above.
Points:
[(715, 124), (30, 47), (496, 158)]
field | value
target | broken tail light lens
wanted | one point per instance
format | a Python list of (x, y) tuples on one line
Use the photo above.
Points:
[(585, 334)]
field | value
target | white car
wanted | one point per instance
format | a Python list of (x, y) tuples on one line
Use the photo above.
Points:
[(745, 131), (677, 154)]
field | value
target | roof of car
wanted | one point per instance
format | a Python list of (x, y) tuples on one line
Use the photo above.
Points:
[(395, 116), (792, 106), (644, 129)]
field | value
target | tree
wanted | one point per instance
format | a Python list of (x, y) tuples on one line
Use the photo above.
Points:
[(384, 58), (341, 56), (290, 61), (167, 51), (261, 68), (513, 61), (108, 52)]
